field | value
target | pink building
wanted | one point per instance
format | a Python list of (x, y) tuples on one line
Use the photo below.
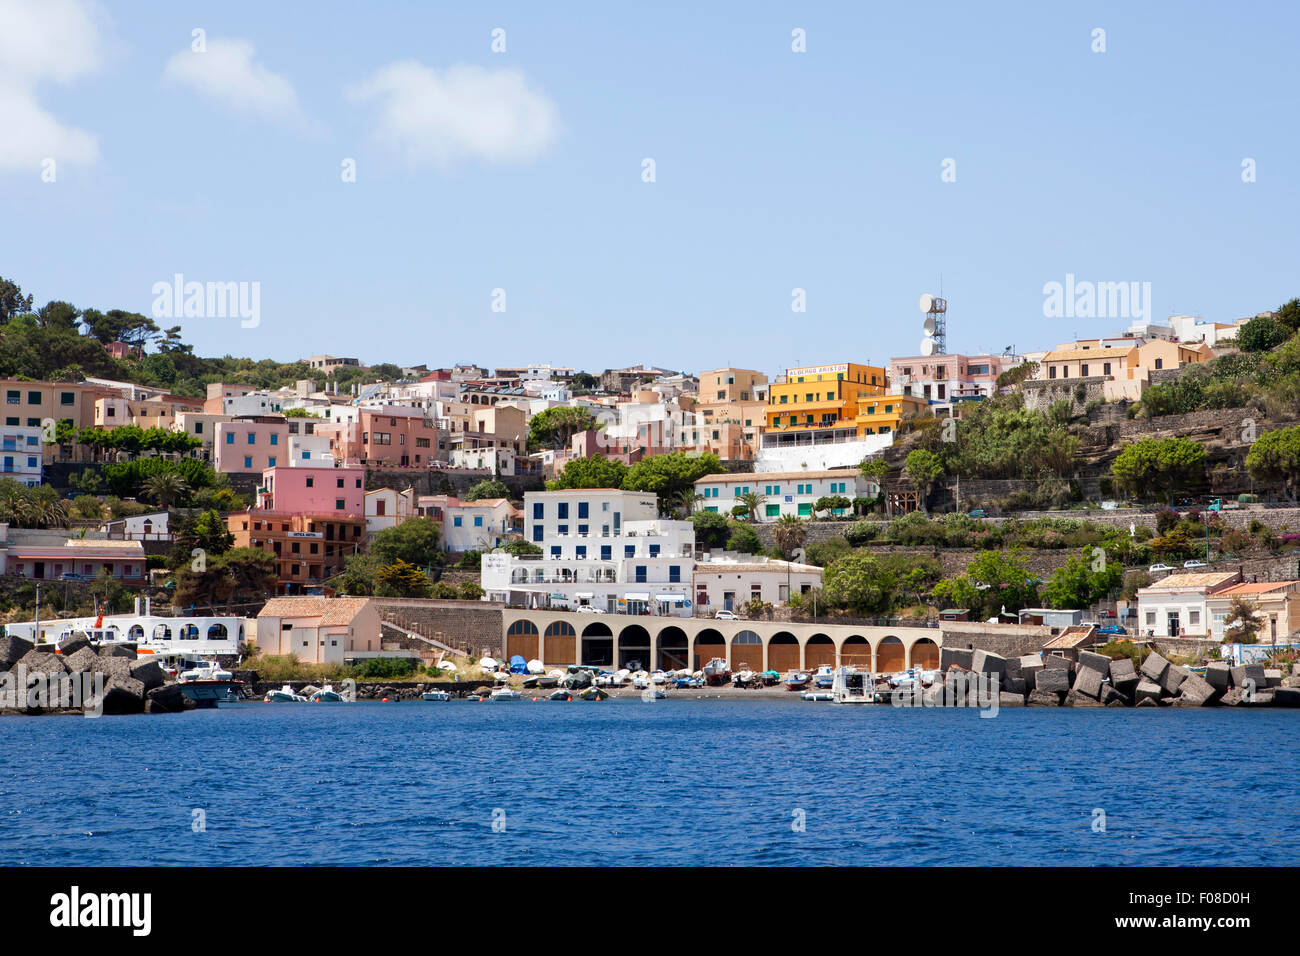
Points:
[(251, 445), (388, 436), (313, 491), (943, 379)]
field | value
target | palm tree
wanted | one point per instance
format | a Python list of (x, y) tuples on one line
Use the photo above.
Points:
[(166, 487), (752, 500), (48, 510), (789, 533), (684, 501)]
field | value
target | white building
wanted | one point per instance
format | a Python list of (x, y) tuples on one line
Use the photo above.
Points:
[(260, 402), (470, 525), (783, 493), (728, 581), (310, 451), (1192, 328), (22, 454), (499, 461), (600, 547), (387, 508), (1177, 605)]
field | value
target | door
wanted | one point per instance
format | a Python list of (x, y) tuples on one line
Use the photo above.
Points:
[(1172, 624)]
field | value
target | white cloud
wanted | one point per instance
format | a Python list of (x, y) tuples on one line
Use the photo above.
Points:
[(465, 112), (227, 74), (43, 41)]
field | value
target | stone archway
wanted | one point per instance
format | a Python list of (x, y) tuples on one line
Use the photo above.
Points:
[(634, 647), (522, 639), (670, 650), (856, 652), (597, 645), (559, 644), (819, 651), (783, 652), (891, 656), (746, 651), (925, 654), (707, 645)]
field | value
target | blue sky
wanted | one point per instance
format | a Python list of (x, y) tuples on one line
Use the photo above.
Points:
[(774, 170)]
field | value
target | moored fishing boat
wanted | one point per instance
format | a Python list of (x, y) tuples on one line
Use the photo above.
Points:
[(435, 695), (505, 694), (797, 680), (327, 695)]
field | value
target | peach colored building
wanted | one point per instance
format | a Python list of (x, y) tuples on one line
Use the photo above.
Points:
[(318, 630), (251, 445), (388, 436), (308, 549)]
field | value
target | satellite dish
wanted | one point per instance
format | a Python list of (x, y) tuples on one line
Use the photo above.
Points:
[(928, 325), (926, 302), (927, 346)]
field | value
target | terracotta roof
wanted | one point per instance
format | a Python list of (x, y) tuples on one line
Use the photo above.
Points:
[(1259, 588), (1072, 636), (1185, 582), (1070, 355), (330, 610)]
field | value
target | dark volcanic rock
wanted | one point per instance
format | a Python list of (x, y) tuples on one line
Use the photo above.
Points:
[(167, 699), (1043, 698), (1153, 668), (1052, 679), (1097, 662), (38, 662), (12, 650), (73, 643), (116, 650), (83, 660), (123, 695), (148, 673)]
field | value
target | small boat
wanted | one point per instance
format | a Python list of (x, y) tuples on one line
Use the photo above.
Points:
[(327, 695), (640, 680), (547, 683), (284, 695), (435, 695), (797, 680), (658, 677), (207, 683), (716, 672), (685, 682), (594, 693), (561, 694), (769, 678), (530, 682), (823, 677), (744, 677), (505, 694), (654, 693)]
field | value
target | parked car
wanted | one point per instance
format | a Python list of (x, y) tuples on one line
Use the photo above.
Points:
[(1111, 629), (977, 513), (725, 615), (1195, 564), (589, 609), (1157, 568)]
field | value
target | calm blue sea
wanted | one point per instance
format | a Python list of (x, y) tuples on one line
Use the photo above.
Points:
[(673, 782)]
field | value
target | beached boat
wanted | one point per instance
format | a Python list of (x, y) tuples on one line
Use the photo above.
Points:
[(685, 682), (285, 695), (531, 682), (823, 677), (594, 693), (744, 677), (640, 680), (561, 694), (797, 680), (435, 695), (769, 678), (716, 672), (505, 694)]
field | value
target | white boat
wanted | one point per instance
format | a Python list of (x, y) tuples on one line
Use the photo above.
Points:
[(654, 692), (204, 671), (640, 680), (154, 636), (327, 695), (658, 677), (505, 694), (436, 695), (285, 695), (852, 687)]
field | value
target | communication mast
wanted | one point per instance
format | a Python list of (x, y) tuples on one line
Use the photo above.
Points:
[(935, 325)]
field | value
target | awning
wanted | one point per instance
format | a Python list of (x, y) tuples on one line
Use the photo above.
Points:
[(639, 596), (584, 594), (674, 598)]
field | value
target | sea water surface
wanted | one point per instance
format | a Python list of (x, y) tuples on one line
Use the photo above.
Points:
[(698, 782)]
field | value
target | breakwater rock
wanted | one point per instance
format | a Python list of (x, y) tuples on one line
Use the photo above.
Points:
[(83, 679), (971, 678)]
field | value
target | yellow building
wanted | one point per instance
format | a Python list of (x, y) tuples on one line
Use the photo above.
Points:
[(822, 396), (881, 414)]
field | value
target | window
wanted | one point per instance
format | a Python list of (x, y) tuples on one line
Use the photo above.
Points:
[(338, 504), (555, 550), (1105, 368), (457, 521), (674, 574), (562, 510), (582, 509), (248, 462), (580, 551), (270, 462), (537, 532), (654, 550), (772, 511), (33, 398), (230, 438), (640, 575), (605, 552), (1083, 371), (1160, 363), (1051, 371), (629, 551), (252, 438), (67, 398), (561, 529), (339, 482), (539, 511), (478, 521), (311, 482)]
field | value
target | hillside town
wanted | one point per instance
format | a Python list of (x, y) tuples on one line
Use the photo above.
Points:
[(1133, 491)]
